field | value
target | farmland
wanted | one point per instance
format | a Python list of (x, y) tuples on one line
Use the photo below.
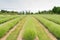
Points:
[(30, 27)]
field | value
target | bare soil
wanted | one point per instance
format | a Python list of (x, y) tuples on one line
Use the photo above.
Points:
[(36, 38), (21, 31)]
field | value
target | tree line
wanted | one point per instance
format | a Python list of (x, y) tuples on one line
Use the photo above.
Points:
[(55, 10)]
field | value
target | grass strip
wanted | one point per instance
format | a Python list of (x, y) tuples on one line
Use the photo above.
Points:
[(29, 30)]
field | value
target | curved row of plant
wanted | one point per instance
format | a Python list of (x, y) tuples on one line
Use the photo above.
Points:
[(53, 27), (40, 32), (54, 18), (15, 33), (29, 30), (32, 30), (4, 28), (7, 18), (1, 16), (4, 16)]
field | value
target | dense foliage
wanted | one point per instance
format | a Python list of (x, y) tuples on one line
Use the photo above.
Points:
[(56, 10)]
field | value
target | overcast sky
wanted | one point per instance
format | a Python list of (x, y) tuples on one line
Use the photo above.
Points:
[(32, 5)]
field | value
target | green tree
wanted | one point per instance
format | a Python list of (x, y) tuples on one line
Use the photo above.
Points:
[(56, 10)]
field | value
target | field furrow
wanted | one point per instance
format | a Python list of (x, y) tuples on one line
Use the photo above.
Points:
[(33, 31), (30, 27), (42, 27), (51, 26), (4, 28), (16, 32), (7, 18), (54, 18)]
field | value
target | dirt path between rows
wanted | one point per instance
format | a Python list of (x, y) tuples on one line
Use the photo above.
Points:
[(20, 36), (36, 38), (5, 37), (46, 30)]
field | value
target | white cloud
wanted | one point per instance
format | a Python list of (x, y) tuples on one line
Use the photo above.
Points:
[(32, 5)]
